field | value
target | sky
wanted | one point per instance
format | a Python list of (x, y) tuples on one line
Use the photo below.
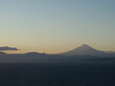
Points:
[(54, 26)]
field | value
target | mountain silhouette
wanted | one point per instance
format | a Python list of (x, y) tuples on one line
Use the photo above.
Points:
[(109, 51), (84, 49)]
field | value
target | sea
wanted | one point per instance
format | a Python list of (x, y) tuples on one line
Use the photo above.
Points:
[(57, 74)]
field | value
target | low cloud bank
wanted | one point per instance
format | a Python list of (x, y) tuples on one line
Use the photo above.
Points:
[(8, 48)]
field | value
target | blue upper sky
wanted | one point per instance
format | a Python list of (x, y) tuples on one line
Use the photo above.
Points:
[(54, 26)]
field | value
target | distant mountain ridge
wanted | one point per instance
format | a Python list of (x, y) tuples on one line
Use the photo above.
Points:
[(81, 53), (109, 51), (85, 49)]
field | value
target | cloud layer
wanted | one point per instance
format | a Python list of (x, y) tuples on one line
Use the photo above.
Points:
[(8, 48)]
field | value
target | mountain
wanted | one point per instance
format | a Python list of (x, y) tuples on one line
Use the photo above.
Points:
[(109, 51), (84, 50)]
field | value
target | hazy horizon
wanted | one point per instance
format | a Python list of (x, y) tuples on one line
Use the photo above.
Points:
[(54, 26), (83, 48)]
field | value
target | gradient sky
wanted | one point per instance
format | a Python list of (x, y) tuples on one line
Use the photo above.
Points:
[(54, 26)]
